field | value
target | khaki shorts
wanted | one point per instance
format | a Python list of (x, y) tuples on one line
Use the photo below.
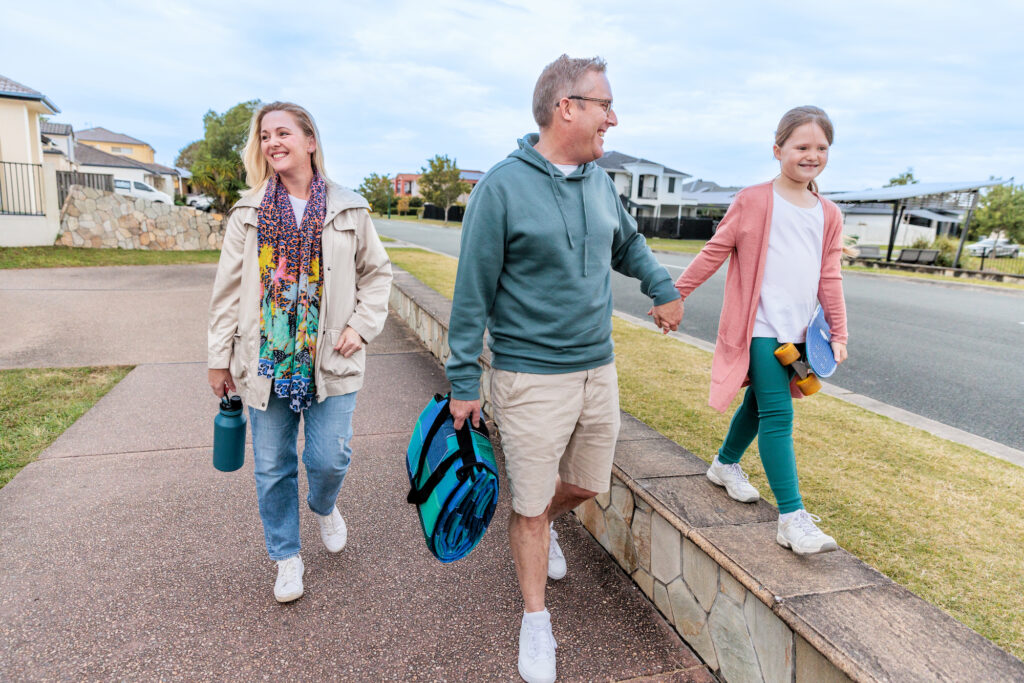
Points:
[(556, 425)]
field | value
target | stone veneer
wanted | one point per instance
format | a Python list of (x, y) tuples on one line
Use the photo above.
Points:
[(93, 218), (752, 610)]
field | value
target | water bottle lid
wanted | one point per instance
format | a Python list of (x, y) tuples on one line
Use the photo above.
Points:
[(232, 403), (236, 403)]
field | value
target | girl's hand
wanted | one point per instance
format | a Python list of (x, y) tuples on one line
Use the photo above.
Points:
[(839, 351), (349, 342)]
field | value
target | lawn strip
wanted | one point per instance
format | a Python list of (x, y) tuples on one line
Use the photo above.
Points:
[(939, 518), (72, 257), (37, 405)]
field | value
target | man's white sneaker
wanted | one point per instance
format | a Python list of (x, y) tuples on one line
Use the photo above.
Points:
[(734, 479), (537, 648), (333, 530), (798, 531), (288, 586), (556, 560)]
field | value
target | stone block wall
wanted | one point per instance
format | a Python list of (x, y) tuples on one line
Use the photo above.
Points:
[(752, 610), (93, 218)]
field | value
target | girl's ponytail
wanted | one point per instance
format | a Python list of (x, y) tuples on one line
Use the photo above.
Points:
[(798, 116)]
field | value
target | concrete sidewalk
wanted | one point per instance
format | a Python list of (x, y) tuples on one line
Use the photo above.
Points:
[(124, 554)]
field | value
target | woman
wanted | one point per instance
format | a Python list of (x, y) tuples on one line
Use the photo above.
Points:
[(302, 286)]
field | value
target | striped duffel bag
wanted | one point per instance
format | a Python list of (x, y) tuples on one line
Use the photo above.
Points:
[(453, 481)]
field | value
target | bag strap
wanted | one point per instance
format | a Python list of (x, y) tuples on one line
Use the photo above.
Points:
[(465, 453)]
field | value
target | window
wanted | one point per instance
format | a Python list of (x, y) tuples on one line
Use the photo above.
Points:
[(121, 150), (648, 187), (408, 187), (122, 185), (671, 185), (143, 186)]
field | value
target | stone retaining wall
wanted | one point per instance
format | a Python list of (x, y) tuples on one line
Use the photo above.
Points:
[(93, 218), (752, 610)]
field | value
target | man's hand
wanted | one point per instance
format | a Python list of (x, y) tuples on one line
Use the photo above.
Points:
[(349, 342), (220, 381), (839, 351), (461, 410), (668, 316)]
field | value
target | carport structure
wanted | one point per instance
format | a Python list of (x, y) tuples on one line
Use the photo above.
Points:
[(921, 197)]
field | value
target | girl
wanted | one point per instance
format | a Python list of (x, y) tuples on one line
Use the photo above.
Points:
[(301, 287), (785, 241)]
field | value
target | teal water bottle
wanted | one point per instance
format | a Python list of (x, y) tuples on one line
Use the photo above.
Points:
[(229, 435)]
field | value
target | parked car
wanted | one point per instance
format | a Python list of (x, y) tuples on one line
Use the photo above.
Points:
[(135, 188), (203, 202), (994, 248)]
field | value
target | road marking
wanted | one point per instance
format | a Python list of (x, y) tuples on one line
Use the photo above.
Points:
[(669, 265)]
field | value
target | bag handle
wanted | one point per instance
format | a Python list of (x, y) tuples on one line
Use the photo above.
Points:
[(418, 496)]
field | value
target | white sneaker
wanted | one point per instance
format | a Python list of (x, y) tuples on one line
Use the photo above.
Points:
[(288, 586), (798, 531), (333, 530), (537, 651), (556, 560), (734, 479)]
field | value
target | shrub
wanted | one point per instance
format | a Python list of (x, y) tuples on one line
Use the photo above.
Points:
[(947, 250), (920, 243)]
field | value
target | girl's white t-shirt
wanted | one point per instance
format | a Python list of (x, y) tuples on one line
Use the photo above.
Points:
[(792, 268), (298, 208)]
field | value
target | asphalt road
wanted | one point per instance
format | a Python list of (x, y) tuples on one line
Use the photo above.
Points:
[(951, 353)]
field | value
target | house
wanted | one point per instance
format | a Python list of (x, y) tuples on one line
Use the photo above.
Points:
[(122, 167), (117, 143), (407, 184), (29, 213), (648, 189)]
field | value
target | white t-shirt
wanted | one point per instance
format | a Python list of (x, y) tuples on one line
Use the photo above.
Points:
[(792, 268), (566, 169), (298, 207)]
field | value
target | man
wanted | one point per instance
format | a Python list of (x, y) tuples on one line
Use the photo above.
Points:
[(544, 229)]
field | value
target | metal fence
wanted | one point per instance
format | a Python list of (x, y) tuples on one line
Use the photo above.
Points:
[(677, 228), (436, 213), (65, 179), (21, 189)]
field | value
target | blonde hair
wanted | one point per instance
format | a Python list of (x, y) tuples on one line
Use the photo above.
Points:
[(557, 81), (798, 116), (257, 168)]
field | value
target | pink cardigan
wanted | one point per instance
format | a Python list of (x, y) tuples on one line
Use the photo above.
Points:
[(743, 234)]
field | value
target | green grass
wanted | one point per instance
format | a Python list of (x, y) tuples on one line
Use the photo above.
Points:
[(681, 246), (934, 277), (939, 518), (69, 257), (384, 238), (36, 406)]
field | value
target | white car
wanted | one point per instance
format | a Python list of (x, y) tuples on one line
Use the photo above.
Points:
[(135, 188), (203, 202), (994, 248)]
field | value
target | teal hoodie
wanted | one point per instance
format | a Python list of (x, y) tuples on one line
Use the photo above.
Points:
[(535, 268)]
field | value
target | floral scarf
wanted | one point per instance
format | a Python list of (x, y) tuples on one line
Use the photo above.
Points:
[(291, 284)]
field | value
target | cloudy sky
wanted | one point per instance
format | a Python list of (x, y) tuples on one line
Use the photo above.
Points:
[(698, 86)]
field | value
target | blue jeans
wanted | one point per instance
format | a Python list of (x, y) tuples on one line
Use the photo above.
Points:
[(327, 454)]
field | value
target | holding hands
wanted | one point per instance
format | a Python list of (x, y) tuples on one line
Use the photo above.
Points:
[(668, 316)]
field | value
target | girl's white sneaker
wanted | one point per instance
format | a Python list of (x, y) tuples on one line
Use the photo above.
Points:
[(798, 532), (734, 479), (288, 586)]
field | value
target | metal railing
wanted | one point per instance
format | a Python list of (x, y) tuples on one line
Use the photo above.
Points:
[(65, 179), (21, 189)]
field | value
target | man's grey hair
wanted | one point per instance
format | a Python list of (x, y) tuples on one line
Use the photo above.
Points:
[(557, 81)]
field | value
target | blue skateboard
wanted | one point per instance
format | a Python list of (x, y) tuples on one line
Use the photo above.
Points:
[(818, 360)]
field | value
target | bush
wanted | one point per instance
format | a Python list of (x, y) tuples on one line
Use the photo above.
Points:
[(920, 243), (947, 250)]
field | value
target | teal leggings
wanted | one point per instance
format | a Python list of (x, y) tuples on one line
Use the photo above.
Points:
[(767, 413)]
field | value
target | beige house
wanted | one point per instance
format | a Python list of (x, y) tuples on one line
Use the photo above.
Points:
[(29, 214), (116, 143)]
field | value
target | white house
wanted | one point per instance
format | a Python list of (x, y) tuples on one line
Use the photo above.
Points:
[(93, 160), (650, 189)]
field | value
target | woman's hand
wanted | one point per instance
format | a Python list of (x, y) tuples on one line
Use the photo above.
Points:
[(220, 381), (839, 351), (349, 342)]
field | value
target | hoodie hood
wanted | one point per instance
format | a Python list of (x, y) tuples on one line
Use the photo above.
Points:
[(527, 153)]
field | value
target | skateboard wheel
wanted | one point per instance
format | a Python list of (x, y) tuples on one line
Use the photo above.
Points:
[(808, 385), (787, 353)]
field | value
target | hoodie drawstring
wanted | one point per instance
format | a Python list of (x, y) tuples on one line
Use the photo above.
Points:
[(565, 221)]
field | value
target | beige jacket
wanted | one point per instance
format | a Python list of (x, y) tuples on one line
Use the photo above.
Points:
[(357, 284)]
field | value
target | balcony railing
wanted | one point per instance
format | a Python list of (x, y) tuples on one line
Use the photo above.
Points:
[(21, 189)]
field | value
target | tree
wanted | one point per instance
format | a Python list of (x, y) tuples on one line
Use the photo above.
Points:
[(187, 155), (1001, 209), (379, 190), (906, 178), (441, 183), (216, 159)]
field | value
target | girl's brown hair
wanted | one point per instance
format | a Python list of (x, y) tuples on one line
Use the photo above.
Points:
[(257, 169), (798, 116)]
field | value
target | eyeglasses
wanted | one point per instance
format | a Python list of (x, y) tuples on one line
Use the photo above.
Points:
[(605, 104)]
